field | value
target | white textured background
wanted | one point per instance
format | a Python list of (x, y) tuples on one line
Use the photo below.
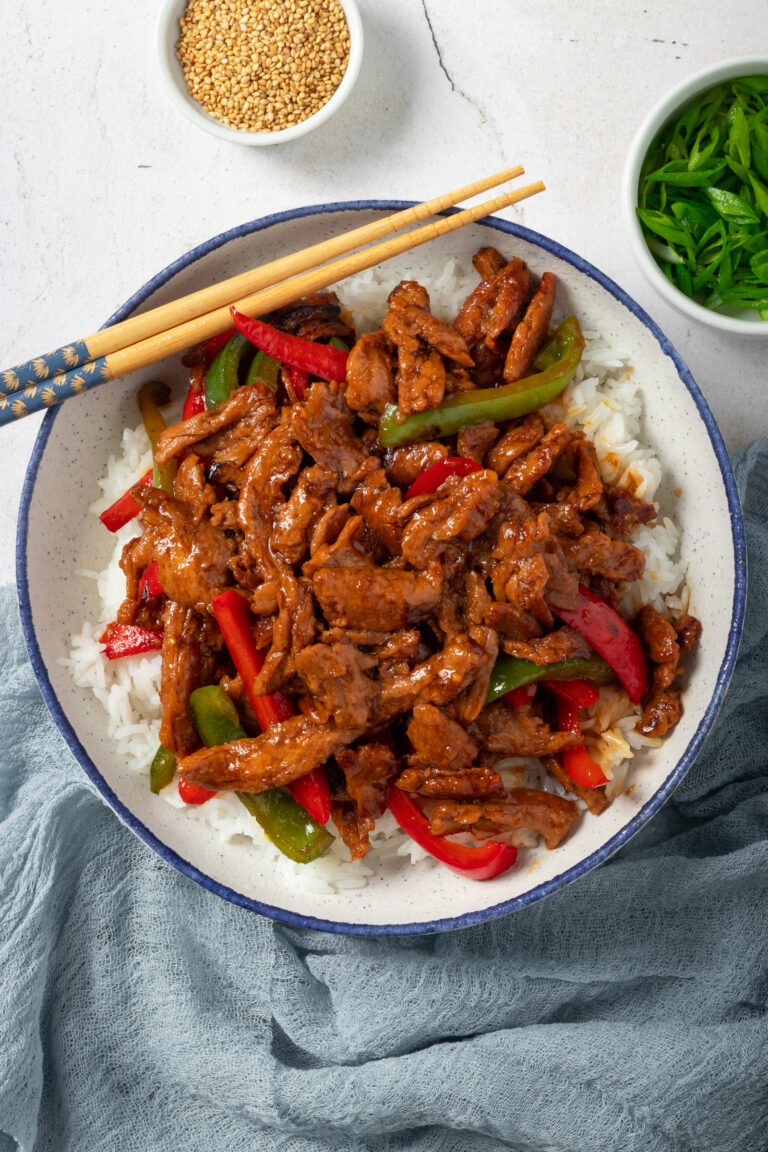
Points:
[(102, 182)]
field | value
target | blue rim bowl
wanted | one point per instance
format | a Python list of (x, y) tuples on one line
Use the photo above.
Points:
[(537, 892)]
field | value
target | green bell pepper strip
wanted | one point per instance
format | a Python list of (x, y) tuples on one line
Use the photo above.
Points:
[(264, 369), (215, 344), (161, 770), (509, 673), (151, 395), (215, 716), (289, 826), (555, 364), (222, 378)]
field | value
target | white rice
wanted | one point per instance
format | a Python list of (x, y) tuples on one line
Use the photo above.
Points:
[(604, 400)]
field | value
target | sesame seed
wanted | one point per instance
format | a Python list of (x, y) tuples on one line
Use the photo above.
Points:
[(263, 65)]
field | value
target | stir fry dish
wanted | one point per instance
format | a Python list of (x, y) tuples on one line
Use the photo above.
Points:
[(377, 569)]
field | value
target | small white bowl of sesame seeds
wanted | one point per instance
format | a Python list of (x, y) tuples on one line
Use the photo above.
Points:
[(259, 71)]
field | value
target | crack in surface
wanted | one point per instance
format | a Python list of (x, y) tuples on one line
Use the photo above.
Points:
[(454, 86)]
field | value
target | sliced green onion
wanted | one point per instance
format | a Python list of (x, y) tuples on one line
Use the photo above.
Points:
[(702, 198)]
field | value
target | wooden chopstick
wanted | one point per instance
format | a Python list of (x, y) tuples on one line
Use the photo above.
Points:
[(182, 336), (137, 328)]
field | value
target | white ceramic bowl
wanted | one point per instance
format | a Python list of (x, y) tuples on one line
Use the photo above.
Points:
[(58, 536), (744, 322), (171, 12)]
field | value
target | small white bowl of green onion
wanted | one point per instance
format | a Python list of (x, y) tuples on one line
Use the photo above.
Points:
[(695, 196)]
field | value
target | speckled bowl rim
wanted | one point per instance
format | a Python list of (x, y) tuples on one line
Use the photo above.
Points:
[(555, 883)]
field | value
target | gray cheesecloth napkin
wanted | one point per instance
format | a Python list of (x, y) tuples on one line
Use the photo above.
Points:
[(139, 1011)]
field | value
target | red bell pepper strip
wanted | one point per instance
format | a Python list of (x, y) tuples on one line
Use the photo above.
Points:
[(299, 382), (517, 697), (193, 793), (150, 585), (611, 637), (130, 640), (313, 793), (481, 863), (234, 619), (438, 473), (580, 693), (578, 763), (581, 768), (124, 508), (319, 359), (215, 344), (194, 402)]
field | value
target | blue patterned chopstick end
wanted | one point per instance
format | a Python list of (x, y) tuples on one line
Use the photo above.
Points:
[(43, 367), (41, 395)]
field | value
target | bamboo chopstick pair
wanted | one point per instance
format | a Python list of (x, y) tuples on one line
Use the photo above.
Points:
[(172, 328)]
